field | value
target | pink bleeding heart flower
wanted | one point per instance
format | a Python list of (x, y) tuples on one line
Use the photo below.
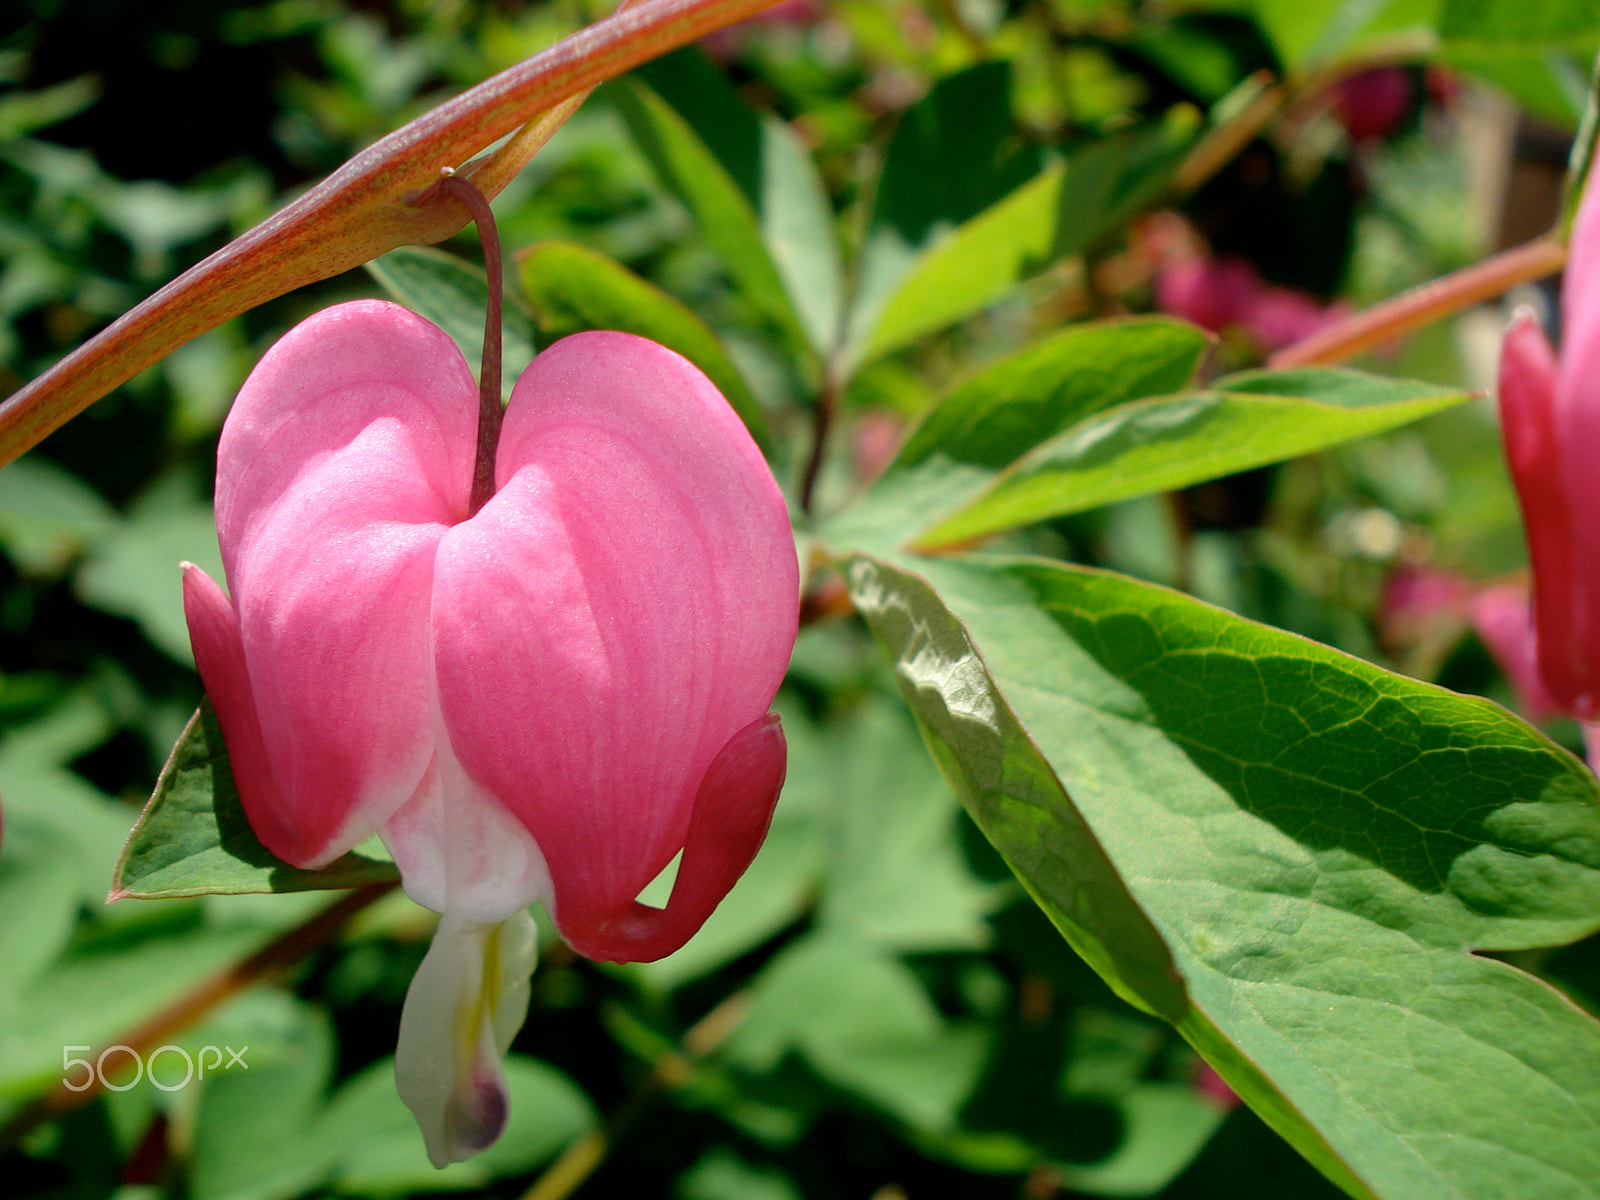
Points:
[(546, 700), (1550, 414)]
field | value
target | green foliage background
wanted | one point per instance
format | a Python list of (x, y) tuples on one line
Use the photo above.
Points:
[(1148, 830)]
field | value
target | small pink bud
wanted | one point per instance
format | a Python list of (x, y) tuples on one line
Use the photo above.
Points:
[(548, 700), (1550, 415)]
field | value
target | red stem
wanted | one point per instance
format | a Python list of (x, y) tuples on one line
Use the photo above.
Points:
[(490, 411)]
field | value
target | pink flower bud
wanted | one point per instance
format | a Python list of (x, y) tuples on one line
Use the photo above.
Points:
[(547, 700), (1550, 414)]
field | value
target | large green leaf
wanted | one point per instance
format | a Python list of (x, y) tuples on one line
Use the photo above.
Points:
[(193, 838), (572, 287), (988, 421), (1325, 848), (727, 216), (953, 483), (1160, 444), (864, 1023), (132, 569)]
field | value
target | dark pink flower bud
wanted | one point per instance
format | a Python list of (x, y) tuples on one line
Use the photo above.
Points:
[(1550, 414)]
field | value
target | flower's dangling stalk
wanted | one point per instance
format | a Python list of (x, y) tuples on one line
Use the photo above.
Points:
[(490, 410)]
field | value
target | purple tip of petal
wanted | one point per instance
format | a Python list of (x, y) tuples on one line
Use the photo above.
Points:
[(478, 1114), (731, 815)]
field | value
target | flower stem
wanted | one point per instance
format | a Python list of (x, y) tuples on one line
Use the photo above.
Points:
[(490, 411), (1423, 305)]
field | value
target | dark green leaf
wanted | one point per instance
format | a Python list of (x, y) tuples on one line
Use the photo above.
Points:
[(1322, 845), (193, 838)]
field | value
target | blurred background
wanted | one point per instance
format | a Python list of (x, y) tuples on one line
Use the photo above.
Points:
[(878, 1010)]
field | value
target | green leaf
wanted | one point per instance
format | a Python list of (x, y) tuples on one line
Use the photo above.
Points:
[(193, 838), (774, 170), (990, 420), (864, 1023), (133, 570), (39, 898), (454, 294), (1524, 22), (1157, 445), (47, 517), (1326, 849), (898, 879), (43, 798), (97, 993), (247, 1118), (908, 291), (572, 288), (1305, 32), (726, 214), (379, 1151), (1546, 81), (953, 154)]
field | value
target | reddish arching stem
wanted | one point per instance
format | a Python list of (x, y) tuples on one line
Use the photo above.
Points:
[(1423, 305), (490, 411)]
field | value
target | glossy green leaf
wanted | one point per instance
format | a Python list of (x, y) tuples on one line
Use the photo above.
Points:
[(453, 294), (994, 418), (1326, 850), (908, 291), (572, 288), (1161, 444), (193, 838), (1168, 442), (727, 215)]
